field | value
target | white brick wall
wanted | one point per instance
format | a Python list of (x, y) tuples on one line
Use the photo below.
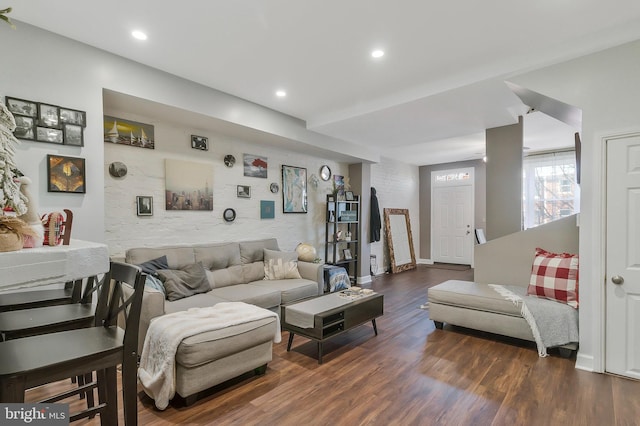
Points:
[(124, 229), (397, 185)]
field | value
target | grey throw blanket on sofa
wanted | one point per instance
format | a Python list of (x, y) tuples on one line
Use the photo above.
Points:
[(552, 323)]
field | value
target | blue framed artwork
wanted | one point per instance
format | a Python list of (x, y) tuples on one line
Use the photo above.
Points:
[(267, 209)]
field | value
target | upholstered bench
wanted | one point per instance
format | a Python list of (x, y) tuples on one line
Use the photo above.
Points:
[(480, 307), (190, 351), (213, 357)]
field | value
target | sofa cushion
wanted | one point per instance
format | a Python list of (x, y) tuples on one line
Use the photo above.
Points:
[(202, 300), (252, 255), (555, 276), (280, 265), (467, 294), (184, 282), (210, 346), (260, 296), (290, 290), (177, 256)]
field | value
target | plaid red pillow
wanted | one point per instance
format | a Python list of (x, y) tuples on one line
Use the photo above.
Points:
[(555, 276)]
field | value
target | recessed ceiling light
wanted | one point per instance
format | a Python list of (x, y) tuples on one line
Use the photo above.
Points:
[(139, 35), (377, 53), (281, 93)]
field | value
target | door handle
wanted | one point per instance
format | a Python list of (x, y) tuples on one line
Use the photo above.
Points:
[(617, 279), (468, 232)]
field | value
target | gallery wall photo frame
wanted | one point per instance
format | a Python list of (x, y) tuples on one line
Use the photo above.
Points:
[(267, 209), (144, 205), (294, 189), (73, 134), (48, 115), (122, 131), (66, 174), (72, 116), (47, 134), (255, 166), (243, 191), (200, 142), (22, 106)]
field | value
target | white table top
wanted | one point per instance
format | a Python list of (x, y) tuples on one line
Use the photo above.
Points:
[(50, 265)]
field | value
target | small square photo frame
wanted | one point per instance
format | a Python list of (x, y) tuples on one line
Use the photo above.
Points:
[(144, 205), (25, 127), (66, 174), (200, 142), (72, 116), (22, 107), (46, 134), (48, 115), (348, 196), (73, 135), (347, 254), (243, 191)]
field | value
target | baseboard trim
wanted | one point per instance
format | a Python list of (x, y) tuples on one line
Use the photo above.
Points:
[(585, 362), (424, 262), (364, 280)]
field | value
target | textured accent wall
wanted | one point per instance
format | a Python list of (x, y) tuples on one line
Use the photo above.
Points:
[(397, 185)]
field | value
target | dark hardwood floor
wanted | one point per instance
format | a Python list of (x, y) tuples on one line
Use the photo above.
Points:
[(410, 374)]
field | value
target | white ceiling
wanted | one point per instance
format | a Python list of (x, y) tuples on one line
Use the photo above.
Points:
[(428, 100)]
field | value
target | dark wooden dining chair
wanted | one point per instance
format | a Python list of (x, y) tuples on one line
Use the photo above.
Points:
[(33, 361), (71, 293)]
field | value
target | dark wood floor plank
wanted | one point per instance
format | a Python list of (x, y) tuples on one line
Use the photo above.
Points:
[(410, 374)]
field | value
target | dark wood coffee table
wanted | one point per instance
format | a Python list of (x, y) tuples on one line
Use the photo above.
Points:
[(323, 317)]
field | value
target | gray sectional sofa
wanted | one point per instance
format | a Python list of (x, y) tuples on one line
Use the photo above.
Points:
[(235, 272)]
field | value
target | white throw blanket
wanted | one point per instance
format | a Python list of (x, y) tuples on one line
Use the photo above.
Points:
[(552, 323), (157, 363)]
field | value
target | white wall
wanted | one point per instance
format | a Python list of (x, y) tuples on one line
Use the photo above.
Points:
[(606, 85), (397, 187), (44, 67)]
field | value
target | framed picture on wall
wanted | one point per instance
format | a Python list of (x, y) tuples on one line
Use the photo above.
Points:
[(45, 134), (71, 116), (144, 205), (294, 189), (243, 191), (200, 142), (22, 107), (73, 135), (65, 174), (48, 115), (25, 127)]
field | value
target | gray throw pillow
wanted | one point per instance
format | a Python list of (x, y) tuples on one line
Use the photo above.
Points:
[(150, 267), (190, 280)]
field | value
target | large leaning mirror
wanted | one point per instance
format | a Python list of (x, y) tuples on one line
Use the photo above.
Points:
[(398, 229)]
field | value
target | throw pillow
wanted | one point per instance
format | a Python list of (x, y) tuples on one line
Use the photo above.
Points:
[(555, 276), (150, 267), (338, 279), (190, 280), (156, 284), (280, 265)]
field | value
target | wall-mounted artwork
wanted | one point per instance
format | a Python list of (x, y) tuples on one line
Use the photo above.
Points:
[(127, 132), (65, 174), (243, 191), (267, 209), (255, 166), (200, 142), (43, 122), (144, 205), (294, 189), (188, 185)]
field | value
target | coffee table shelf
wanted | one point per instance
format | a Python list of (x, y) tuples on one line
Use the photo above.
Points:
[(335, 321)]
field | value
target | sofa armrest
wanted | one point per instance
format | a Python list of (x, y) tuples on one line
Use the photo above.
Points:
[(314, 272), (152, 306)]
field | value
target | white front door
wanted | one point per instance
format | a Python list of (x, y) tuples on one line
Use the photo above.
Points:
[(623, 257), (452, 226)]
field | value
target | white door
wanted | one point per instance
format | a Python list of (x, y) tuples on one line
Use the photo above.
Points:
[(623, 257), (452, 234)]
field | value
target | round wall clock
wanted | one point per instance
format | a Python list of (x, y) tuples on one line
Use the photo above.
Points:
[(274, 187), (229, 160), (229, 215), (117, 169), (325, 172)]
